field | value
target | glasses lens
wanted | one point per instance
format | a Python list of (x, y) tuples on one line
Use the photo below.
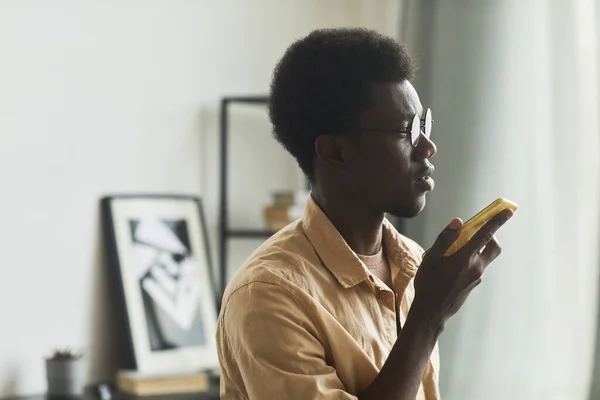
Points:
[(415, 131), (428, 122)]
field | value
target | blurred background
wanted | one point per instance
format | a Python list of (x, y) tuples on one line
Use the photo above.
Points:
[(104, 97)]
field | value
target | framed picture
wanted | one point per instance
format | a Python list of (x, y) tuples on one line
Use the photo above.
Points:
[(157, 245)]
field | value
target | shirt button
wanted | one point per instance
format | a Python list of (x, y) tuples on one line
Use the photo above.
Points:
[(383, 295)]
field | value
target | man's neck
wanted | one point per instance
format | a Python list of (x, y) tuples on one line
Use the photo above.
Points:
[(359, 227)]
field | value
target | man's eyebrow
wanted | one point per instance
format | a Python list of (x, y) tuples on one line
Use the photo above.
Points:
[(403, 117), (403, 113)]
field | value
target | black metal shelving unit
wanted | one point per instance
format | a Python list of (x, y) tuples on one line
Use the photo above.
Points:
[(225, 233)]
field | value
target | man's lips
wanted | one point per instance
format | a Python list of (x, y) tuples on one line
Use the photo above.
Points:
[(424, 180), (425, 173)]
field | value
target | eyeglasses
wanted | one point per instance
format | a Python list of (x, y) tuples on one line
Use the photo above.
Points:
[(417, 127)]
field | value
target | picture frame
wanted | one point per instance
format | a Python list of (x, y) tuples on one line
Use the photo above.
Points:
[(157, 248)]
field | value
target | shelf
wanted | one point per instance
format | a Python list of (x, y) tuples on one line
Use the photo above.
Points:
[(249, 233), (247, 99), (226, 233)]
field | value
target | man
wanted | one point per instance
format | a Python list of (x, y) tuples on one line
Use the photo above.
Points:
[(339, 305)]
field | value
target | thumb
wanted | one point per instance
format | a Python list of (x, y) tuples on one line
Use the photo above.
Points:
[(445, 239)]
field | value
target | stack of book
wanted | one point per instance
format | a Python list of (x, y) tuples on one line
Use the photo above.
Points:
[(139, 384), (286, 207)]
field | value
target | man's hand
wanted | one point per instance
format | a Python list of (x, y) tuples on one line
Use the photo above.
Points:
[(442, 284)]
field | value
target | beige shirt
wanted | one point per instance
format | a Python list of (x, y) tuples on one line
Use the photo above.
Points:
[(305, 319), (378, 265)]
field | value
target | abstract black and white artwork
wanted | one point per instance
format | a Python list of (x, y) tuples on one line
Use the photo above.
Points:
[(168, 277), (158, 245)]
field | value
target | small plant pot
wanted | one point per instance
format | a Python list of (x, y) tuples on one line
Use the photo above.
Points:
[(66, 378)]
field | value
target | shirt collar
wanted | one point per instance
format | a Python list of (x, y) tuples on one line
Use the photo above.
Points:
[(341, 260)]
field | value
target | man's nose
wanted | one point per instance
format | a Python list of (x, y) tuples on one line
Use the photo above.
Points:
[(425, 149)]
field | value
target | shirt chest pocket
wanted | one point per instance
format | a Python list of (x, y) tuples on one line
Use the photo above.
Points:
[(369, 317)]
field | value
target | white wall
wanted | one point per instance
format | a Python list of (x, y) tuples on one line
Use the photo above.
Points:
[(121, 96)]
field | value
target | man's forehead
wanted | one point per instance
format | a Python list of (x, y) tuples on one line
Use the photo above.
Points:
[(399, 98)]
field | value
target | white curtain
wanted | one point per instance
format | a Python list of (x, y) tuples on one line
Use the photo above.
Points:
[(513, 85)]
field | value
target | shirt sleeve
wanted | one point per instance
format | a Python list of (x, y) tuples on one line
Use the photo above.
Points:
[(270, 347)]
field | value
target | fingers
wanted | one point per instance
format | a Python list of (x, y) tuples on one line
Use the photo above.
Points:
[(491, 251), (464, 294), (472, 286), (486, 233), (445, 239)]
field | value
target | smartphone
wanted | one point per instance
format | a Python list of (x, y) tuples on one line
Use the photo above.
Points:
[(471, 227)]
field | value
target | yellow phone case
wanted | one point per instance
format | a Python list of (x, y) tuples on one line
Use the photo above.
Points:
[(474, 224)]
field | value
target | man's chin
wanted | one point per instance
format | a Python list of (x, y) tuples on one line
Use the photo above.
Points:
[(409, 209)]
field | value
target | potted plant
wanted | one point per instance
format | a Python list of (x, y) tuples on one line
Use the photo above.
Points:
[(65, 371)]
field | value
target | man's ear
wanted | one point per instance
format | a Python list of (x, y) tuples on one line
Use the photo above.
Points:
[(332, 150)]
